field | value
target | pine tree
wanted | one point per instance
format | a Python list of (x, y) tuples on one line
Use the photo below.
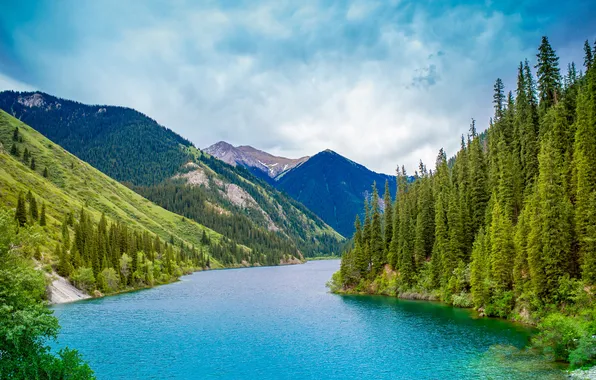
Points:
[(479, 271), (21, 211), (26, 156), (405, 254), (499, 99), (454, 252), (45, 173), (502, 250), (441, 243), (521, 271), (15, 133), (360, 259), (551, 226), (32, 166), (525, 123), (42, 217), (388, 222), (549, 76), (14, 150), (376, 237), (588, 58), (478, 181), (33, 210), (584, 172)]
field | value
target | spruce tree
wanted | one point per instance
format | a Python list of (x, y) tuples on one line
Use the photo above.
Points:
[(15, 133), (551, 227), (45, 173), (360, 259), (498, 99), (521, 271), (441, 241), (14, 150), (33, 210), (21, 212), (376, 236), (388, 220), (479, 271), (478, 180), (588, 58), (549, 76), (584, 171), (502, 250), (32, 166), (42, 217), (26, 156)]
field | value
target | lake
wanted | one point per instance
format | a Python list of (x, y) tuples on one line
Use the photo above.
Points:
[(281, 323)]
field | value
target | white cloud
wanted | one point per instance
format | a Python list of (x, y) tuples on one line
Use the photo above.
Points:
[(7, 83), (370, 82)]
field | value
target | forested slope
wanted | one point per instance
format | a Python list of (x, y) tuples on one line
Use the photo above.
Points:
[(166, 168), (509, 226), (88, 222)]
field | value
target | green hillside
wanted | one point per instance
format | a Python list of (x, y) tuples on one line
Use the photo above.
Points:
[(91, 220), (167, 169), (72, 184)]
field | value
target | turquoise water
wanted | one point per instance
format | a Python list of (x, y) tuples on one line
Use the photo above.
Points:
[(278, 323)]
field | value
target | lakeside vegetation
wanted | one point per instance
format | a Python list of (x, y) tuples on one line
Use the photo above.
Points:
[(26, 324), (506, 226)]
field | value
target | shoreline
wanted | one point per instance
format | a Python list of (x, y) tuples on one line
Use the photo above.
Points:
[(65, 286)]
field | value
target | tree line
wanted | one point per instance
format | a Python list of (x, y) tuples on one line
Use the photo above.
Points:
[(508, 225)]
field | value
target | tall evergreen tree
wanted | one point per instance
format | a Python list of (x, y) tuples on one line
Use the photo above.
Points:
[(21, 212), (498, 99), (388, 220), (549, 76), (376, 235), (42, 217), (588, 58)]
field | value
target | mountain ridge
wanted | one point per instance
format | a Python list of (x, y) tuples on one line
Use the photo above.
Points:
[(155, 162), (335, 197), (253, 158)]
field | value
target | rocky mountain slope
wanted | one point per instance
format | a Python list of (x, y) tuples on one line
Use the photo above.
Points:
[(253, 159), (330, 185)]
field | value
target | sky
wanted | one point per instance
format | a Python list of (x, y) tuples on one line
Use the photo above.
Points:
[(384, 83)]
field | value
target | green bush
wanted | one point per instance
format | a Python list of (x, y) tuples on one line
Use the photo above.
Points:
[(83, 279), (108, 280), (501, 305), (462, 299), (559, 336), (585, 353)]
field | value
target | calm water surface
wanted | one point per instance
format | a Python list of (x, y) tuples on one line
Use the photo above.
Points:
[(279, 323)]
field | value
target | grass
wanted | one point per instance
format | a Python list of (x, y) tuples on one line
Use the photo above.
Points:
[(73, 184)]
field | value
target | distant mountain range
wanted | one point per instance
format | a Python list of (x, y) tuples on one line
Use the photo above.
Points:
[(332, 186), (253, 159)]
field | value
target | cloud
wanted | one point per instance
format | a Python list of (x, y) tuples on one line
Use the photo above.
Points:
[(7, 83), (383, 83)]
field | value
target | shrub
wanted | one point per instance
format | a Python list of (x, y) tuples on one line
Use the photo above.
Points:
[(462, 299), (108, 280), (83, 279), (585, 353), (559, 335)]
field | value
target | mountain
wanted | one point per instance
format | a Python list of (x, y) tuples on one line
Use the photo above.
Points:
[(334, 187), (259, 162), (80, 222), (179, 177), (121, 142), (330, 185)]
